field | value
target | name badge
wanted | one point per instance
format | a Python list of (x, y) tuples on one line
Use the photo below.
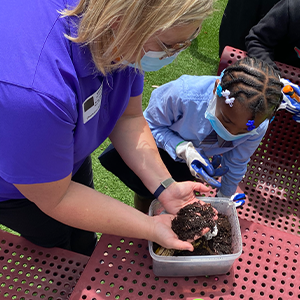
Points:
[(92, 104)]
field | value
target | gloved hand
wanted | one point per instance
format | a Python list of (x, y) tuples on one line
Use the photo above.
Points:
[(290, 104), (237, 198), (199, 164)]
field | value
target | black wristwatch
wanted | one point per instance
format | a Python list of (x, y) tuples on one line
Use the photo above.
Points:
[(163, 186)]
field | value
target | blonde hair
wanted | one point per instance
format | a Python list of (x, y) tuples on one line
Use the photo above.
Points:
[(119, 28)]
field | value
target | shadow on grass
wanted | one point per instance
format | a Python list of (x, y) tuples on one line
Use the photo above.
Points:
[(193, 49)]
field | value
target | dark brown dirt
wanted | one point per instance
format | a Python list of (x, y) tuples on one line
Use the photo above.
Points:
[(192, 219), (218, 245)]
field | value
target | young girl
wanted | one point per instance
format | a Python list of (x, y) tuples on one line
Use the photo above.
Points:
[(195, 117)]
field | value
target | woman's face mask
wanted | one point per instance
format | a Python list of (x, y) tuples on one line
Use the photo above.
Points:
[(167, 44), (151, 61), (219, 127)]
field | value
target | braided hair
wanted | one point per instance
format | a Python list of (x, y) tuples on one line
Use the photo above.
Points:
[(254, 83)]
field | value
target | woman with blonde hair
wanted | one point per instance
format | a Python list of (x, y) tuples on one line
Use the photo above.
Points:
[(70, 77)]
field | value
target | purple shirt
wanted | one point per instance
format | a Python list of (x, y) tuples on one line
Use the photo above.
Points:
[(55, 108)]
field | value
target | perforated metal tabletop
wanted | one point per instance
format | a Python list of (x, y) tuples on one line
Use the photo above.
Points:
[(272, 179), (29, 272), (267, 269), (271, 182), (269, 265), (121, 268)]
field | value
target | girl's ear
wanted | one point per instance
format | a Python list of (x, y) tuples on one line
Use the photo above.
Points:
[(216, 84)]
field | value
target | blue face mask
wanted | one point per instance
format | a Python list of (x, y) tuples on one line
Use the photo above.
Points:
[(151, 61), (219, 127)]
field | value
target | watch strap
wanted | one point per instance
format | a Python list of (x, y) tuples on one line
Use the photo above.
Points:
[(163, 186)]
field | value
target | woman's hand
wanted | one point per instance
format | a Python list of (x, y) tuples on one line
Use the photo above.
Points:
[(166, 237), (180, 194)]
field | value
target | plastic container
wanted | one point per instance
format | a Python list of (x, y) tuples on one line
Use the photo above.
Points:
[(178, 266)]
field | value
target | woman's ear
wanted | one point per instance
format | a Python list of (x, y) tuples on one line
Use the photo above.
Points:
[(216, 84)]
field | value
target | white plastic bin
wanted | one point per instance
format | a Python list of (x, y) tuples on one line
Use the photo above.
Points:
[(175, 266)]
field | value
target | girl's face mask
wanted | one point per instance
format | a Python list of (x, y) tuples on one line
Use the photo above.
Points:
[(151, 61), (219, 127)]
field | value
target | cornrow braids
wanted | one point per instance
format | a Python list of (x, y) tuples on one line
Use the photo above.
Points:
[(254, 83)]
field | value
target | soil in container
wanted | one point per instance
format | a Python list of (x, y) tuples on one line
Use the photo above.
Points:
[(190, 221)]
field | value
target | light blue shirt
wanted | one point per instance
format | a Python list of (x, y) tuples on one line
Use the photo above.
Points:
[(176, 113)]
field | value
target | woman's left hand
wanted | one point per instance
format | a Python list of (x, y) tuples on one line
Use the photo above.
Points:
[(179, 194)]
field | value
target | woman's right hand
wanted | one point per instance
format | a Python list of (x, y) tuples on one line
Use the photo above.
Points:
[(166, 237)]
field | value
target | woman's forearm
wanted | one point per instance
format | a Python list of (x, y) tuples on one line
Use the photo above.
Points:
[(82, 207), (89, 209), (133, 140)]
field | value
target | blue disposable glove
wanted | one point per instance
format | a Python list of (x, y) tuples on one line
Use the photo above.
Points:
[(290, 104), (237, 198), (199, 164)]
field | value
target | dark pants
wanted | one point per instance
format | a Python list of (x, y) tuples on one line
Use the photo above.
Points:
[(112, 161), (24, 217), (238, 18)]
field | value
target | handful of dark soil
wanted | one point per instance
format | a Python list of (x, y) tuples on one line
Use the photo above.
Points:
[(218, 245), (192, 219)]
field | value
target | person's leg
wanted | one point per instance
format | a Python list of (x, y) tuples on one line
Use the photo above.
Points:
[(179, 171), (141, 203), (24, 217), (112, 161)]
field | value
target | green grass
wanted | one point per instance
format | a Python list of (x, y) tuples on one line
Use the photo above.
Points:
[(201, 58)]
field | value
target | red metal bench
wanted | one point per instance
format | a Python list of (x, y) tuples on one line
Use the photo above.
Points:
[(30, 272), (230, 55), (272, 179), (121, 268)]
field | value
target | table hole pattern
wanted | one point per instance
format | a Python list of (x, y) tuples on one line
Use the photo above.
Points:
[(31, 272), (267, 269)]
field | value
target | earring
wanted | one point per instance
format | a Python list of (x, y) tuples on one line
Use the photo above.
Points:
[(250, 125)]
